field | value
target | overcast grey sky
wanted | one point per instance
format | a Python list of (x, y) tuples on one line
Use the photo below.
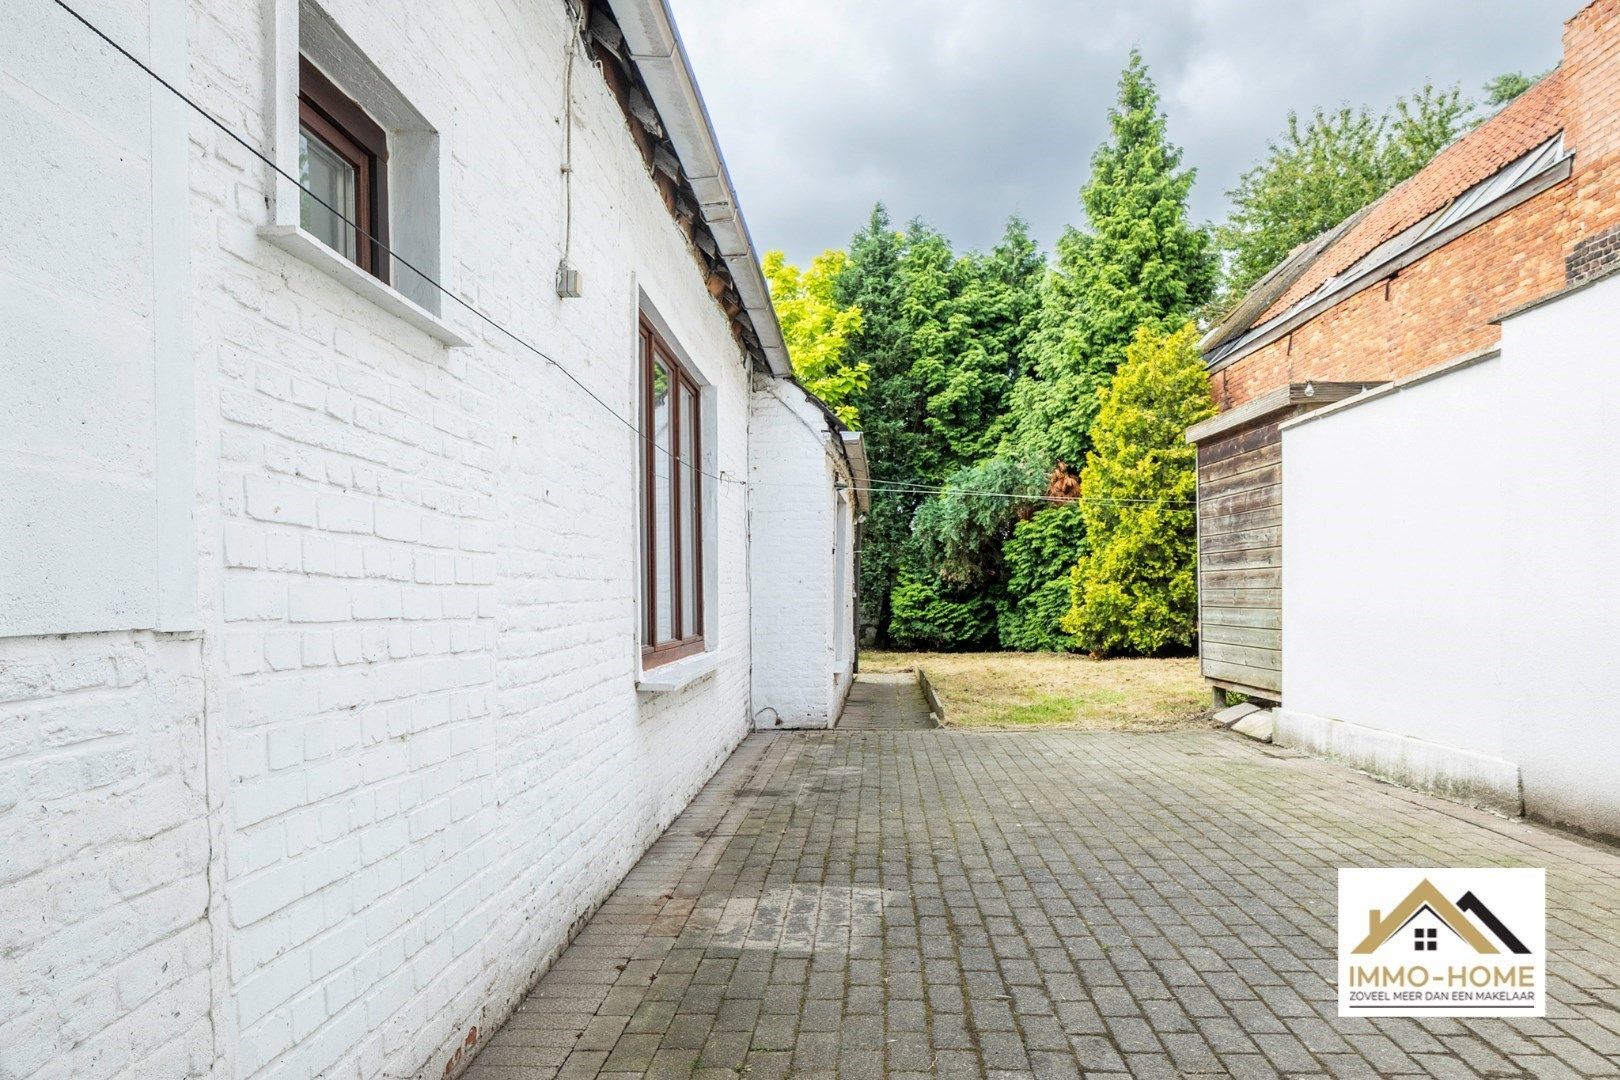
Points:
[(964, 111)]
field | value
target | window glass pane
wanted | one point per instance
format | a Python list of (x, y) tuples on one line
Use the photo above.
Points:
[(691, 487), (662, 527), (643, 461), (323, 171)]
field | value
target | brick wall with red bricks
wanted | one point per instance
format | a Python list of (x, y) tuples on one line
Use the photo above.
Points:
[(1442, 306)]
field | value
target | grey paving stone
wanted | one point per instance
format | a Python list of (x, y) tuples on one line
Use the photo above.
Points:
[(911, 903)]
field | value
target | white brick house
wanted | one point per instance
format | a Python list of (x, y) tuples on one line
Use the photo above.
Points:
[(809, 482), (350, 650)]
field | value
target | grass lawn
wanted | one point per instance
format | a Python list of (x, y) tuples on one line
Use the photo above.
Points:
[(1025, 690)]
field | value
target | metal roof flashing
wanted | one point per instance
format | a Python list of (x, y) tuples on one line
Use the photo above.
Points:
[(860, 471), (1521, 179)]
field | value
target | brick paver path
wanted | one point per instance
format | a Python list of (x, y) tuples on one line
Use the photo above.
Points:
[(1040, 904), (885, 702)]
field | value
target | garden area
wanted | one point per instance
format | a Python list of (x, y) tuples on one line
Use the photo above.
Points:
[(1023, 690)]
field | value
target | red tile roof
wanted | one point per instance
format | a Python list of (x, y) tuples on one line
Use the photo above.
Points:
[(1536, 116)]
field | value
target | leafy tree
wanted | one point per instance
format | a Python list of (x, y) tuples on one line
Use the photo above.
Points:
[(1420, 127), (1135, 587), (1038, 557), (817, 329), (1323, 170), (1140, 262), (982, 374), (958, 534), (1507, 86), (952, 578)]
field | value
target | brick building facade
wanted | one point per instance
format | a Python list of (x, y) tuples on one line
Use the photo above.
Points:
[(1444, 304), (1525, 205)]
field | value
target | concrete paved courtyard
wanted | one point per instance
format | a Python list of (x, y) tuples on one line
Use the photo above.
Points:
[(914, 903)]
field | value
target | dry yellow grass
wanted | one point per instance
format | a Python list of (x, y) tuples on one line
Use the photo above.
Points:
[(1010, 690)]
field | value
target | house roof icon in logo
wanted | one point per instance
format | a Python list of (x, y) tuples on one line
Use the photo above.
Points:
[(1428, 898)]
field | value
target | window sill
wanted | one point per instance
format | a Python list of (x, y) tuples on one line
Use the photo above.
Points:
[(678, 674), (296, 241)]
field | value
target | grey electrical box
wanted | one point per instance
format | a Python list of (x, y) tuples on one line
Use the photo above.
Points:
[(568, 281)]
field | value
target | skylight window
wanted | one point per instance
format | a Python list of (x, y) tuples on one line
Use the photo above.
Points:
[(1496, 194)]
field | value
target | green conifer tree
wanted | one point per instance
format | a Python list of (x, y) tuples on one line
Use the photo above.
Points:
[(994, 315), (1140, 262), (888, 408), (1135, 587)]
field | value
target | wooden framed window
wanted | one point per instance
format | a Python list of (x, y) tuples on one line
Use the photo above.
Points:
[(342, 158), (671, 481)]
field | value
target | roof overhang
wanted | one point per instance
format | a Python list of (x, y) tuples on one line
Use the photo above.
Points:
[(860, 473), (1271, 287), (655, 46)]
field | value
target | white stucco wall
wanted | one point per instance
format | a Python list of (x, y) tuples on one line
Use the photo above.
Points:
[(1561, 580), (413, 636), (1395, 504), (1450, 572), (803, 628)]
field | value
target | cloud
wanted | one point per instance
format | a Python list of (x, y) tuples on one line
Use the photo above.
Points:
[(966, 112)]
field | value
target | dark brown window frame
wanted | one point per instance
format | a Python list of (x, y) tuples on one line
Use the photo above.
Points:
[(687, 640), (331, 116)]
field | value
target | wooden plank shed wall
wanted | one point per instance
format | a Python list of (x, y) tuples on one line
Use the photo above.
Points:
[(1240, 544), (1240, 559)]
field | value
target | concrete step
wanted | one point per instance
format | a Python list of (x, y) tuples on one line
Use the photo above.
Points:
[(1257, 725)]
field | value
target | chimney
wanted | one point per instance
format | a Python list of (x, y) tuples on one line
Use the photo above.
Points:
[(1591, 69), (1372, 921)]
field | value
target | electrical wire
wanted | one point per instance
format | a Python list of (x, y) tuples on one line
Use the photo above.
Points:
[(877, 487), (376, 242), (873, 487)]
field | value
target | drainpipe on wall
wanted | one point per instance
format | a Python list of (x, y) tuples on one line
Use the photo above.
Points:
[(855, 592), (748, 525)]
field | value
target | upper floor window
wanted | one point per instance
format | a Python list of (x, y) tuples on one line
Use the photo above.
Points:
[(672, 504), (342, 159)]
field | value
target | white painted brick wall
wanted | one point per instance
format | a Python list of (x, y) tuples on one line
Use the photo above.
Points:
[(799, 681), (438, 758), (424, 749), (105, 946)]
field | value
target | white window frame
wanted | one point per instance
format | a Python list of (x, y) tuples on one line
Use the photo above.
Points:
[(417, 165)]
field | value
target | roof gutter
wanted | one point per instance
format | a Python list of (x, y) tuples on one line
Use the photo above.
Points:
[(860, 471), (655, 47)]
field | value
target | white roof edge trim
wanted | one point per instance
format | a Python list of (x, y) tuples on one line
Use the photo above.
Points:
[(860, 470), (655, 47), (1378, 393)]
